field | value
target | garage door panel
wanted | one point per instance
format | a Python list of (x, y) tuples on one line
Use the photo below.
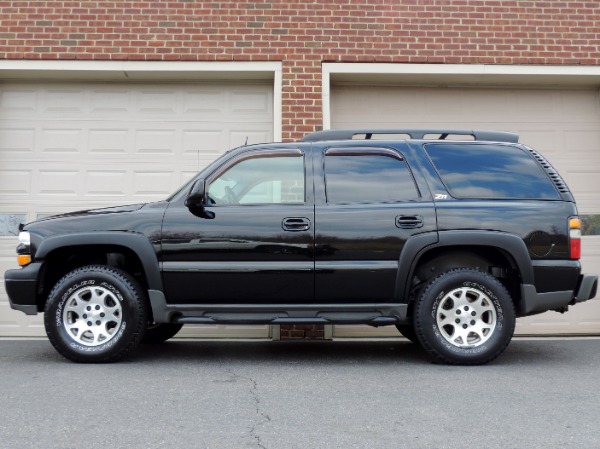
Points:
[(106, 183), (17, 141), (563, 124), (207, 142), (66, 147), (109, 141), (582, 141), (584, 184), (578, 105)]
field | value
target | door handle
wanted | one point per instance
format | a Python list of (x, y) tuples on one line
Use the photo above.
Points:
[(409, 221), (295, 224)]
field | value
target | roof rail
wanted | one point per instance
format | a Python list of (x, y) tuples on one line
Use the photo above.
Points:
[(441, 134)]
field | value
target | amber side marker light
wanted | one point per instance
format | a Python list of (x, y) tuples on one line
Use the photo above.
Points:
[(23, 259), (575, 237)]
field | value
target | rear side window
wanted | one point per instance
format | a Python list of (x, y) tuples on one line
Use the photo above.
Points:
[(490, 172), (367, 177)]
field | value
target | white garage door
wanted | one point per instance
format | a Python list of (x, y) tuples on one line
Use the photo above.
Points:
[(66, 147), (563, 124)]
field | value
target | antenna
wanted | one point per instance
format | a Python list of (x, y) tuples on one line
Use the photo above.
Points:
[(246, 143)]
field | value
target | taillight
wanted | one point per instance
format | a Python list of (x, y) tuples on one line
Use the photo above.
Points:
[(575, 237)]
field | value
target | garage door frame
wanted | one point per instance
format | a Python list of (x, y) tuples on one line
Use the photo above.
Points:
[(139, 72), (452, 75), (455, 75), (150, 71)]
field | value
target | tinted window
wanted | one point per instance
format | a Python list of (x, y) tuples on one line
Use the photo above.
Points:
[(355, 178), (260, 180), (490, 171)]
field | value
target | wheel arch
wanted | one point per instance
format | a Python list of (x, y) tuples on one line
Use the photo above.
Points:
[(129, 251), (456, 249)]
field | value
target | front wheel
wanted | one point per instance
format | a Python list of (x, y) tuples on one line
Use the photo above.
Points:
[(464, 316), (95, 314)]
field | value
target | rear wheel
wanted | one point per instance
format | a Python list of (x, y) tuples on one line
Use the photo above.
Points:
[(95, 314), (464, 316)]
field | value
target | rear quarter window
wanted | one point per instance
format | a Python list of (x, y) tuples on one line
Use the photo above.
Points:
[(488, 171)]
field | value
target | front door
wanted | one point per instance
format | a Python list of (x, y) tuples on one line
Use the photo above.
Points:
[(254, 242)]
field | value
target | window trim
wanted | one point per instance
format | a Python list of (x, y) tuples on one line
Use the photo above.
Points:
[(496, 144), (368, 151), (364, 151)]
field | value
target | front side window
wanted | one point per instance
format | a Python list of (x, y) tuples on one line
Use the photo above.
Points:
[(364, 177), (490, 171), (260, 180)]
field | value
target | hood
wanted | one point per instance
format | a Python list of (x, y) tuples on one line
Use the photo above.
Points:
[(104, 210), (141, 218)]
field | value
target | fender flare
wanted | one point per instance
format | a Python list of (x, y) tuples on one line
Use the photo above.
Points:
[(138, 243), (417, 246)]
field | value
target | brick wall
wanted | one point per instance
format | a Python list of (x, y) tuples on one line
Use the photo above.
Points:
[(303, 34)]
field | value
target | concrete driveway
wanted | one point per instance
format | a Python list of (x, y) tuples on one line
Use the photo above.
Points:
[(541, 393)]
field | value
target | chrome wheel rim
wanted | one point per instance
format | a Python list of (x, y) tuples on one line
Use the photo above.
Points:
[(92, 316), (466, 317)]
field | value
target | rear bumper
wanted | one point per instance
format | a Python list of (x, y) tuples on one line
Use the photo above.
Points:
[(21, 287), (588, 287), (533, 302)]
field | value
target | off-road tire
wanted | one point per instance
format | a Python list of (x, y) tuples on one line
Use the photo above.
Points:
[(96, 314), (464, 317)]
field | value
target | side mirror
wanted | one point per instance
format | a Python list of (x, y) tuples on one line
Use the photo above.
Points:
[(197, 196)]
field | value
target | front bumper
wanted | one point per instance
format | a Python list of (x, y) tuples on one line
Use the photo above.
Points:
[(21, 287)]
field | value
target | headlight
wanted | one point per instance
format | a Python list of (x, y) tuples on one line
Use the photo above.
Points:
[(24, 249)]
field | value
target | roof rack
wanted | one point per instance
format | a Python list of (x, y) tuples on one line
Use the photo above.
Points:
[(441, 134)]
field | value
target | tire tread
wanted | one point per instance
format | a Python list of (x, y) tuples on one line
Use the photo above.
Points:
[(133, 288), (419, 327)]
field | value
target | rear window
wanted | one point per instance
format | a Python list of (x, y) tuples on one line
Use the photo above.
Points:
[(490, 172)]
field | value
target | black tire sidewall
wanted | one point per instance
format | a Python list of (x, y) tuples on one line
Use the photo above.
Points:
[(125, 290), (430, 335)]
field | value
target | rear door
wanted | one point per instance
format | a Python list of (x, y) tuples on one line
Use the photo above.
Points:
[(367, 206)]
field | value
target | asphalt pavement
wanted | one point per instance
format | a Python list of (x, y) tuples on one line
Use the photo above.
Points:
[(541, 393)]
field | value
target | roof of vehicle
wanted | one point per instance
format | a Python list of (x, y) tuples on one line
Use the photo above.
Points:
[(423, 134)]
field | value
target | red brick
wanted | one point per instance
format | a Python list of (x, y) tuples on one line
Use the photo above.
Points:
[(304, 35)]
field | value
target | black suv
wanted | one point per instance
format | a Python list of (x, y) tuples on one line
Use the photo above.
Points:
[(448, 235)]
